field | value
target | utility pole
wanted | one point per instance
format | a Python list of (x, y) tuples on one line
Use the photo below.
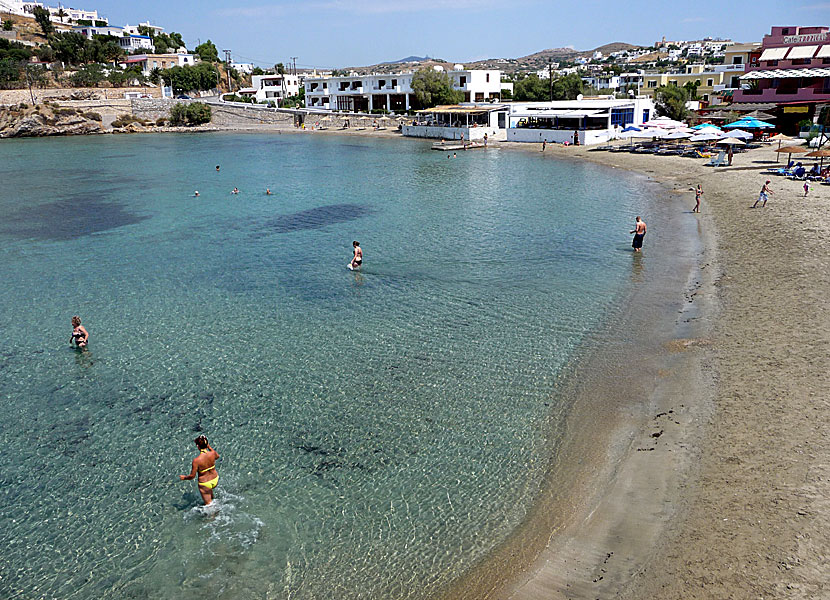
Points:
[(228, 67), (550, 78), (294, 59)]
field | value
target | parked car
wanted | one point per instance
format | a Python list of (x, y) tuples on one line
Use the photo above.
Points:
[(183, 97)]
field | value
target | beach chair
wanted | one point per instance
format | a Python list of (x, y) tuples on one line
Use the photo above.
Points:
[(702, 154), (717, 161)]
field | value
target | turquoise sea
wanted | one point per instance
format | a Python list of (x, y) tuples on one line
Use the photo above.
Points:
[(380, 431)]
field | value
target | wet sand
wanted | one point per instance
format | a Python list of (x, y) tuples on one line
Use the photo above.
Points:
[(730, 498)]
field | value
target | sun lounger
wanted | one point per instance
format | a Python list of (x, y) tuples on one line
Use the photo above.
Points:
[(718, 160)]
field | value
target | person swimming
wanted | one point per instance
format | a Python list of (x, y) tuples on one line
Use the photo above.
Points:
[(196, 194), (235, 191), (267, 191), (217, 168), (80, 336), (357, 259), (204, 466)]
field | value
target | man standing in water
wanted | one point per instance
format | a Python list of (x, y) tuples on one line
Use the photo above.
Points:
[(639, 232)]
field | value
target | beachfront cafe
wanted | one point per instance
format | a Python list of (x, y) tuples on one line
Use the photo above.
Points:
[(467, 122), (583, 121)]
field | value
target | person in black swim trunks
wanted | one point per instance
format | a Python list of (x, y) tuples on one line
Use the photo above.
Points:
[(639, 232), (357, 259), (80, 336)]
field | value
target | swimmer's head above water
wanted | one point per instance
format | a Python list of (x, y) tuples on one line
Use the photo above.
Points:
[(201, 442), (76, 321)]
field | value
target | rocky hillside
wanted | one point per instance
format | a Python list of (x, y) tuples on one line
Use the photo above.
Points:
[(23, 120)]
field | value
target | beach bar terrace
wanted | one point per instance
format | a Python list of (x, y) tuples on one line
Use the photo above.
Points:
[(459, 122), (587, 121)]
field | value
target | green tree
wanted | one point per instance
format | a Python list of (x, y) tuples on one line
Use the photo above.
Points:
[(61, 14), (68, 47), (257, 71), (88, 76), (207, 52), (43, 19), (185, 79), (8, 25), (9, 72), (532, 89), (567, 87), (670, 101), (35, 76), (691, 89), (432, 88), (155, 76), (195, 113)]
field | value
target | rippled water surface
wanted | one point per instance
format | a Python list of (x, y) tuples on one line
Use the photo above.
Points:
[(379, 431)]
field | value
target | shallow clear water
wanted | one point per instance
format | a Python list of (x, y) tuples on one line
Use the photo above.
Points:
[(379, 431)]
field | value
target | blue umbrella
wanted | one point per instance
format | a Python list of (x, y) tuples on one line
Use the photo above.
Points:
[(706, 126), (750, 123), (632, 128)]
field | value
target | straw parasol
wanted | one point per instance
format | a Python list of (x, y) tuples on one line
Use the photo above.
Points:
[(730, 141), (821, 154), (780, 137), (790, 150), (760, 115)]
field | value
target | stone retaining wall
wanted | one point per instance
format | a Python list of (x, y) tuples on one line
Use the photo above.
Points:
[(221, 115), (8, 97)]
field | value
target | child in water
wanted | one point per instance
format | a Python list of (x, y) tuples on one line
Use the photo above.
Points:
[(80, 336)]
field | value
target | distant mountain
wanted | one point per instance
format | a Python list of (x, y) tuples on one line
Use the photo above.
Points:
[(408, 59), (531, 62)]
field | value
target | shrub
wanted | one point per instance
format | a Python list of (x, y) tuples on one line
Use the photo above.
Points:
[(66, 111), (195, 113), (8, 25), (161, 121), (94, 116)]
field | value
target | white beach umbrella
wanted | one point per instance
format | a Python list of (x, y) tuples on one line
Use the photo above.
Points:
[(664, 123), (705, 137), (677, 135), (738, 133), (650, 133)]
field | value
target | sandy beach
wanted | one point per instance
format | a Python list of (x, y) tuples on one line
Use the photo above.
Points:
[(730, 499)]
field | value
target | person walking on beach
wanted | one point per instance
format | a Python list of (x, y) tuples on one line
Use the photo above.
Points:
[(698, 194), (639, 232), (204, 466), (764, 195), (80, 336), (544, 145), (357, 259), (806, 188)]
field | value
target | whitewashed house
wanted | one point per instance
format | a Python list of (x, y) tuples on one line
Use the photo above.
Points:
[(393, 91), (273, 88), (463, 122), (590, 121)]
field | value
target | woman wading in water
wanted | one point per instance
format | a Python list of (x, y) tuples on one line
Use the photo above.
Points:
[(205, 466)]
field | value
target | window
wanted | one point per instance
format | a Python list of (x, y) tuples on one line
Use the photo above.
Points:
[(394, 83), (488, 77), (737, 60), (785, 31), (772, 63), (462, 81), (706, 97), (801, 61), (646, 114), (652, 84), (622, 116), (825, 61), (673, 82), (710, 82)]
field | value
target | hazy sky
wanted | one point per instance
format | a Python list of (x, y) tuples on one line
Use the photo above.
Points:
[(339, 33)]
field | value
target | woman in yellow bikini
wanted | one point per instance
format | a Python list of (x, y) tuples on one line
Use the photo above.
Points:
[(205, 466)]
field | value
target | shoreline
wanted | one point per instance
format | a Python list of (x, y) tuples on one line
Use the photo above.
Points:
[(580, 541)]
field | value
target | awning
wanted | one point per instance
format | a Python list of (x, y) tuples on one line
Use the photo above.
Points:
[(786, 73), (823, 52), (774, 53), (473, 110), (801, 52), (566, 114)]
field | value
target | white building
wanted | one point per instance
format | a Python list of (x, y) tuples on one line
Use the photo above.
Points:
[(468, 122), (589, 121), (25, 8), (243, 67), (148, 62), (273, 88), (393, 92), (126, 40), (136, 29), (604, 81)]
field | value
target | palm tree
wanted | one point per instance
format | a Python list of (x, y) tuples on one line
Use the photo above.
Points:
[(61, 14)]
